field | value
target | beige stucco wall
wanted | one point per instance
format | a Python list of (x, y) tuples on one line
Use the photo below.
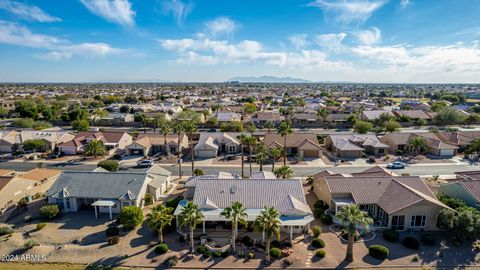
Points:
[(422, 208)]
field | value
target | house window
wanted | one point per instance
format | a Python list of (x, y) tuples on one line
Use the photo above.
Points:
[(381, 151), (125, 204), (418, 221), (59, 202), (401, 147), (232, 149), (398, 223), (68, 203)]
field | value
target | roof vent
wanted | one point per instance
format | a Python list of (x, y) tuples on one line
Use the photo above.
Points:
[(233, 190)]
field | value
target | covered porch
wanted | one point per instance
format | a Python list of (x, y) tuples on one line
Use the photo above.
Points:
[(104, 204), (379, 216)]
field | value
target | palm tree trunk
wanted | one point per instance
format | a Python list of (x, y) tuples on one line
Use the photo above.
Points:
[(267, 250), (192, 248), (285, 150), (251, 150), (241, 150), (192, 154), (178, 155), (234, 229), (273, 164), (261, 165), (349, 256), (160, 234), (165, 143)]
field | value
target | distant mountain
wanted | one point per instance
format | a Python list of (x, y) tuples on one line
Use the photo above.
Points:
[(268, 79)]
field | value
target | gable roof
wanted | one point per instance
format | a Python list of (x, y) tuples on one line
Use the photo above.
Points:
[(293, 140)]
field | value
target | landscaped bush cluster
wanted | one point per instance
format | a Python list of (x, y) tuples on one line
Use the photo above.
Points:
[(173, 203), (148, 199), (204, 251), (275, 253), (40, 226), (378, 251), (428, 239), (411, 242), (112, 231), (317, 230), (247, 241), (319, 208), (109, 165), (130, 217), (276, 244), (318, 243), (5, 231), (320, 253), (30, 244), (49, 211), (161, 249), (391, 235), (326, 219)]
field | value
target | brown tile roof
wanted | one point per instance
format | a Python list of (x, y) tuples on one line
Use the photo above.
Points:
[(414, 114), (4, 180), (5, 172), (469, 175), (374, 171), (473, 186), (147, 140), (293, 140), (40, 174)]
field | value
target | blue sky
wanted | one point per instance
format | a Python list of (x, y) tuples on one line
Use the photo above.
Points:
[(403, 41)]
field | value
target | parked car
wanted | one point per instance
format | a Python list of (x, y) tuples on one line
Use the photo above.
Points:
[(396, 165), (145, 163), (55, 155)]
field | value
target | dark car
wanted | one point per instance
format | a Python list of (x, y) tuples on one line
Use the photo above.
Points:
[(55, 155)]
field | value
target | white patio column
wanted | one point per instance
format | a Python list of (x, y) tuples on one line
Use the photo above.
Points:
[(110, 211), (308, 227), (291, 233), (263, 236), (96, 215), (203, 225)]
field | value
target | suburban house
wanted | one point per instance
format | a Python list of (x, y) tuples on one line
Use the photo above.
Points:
[(117, 118), (210, 145), (262, 118), (436, 145), (466, 188), (355, 145), (397, 142), (112, 141), (396, 202), (306, 119), (461, 138), (374, 115), (151, 144), (223, 117), (16, 186), (8, 141), (303, 144), (107, 192), (414, 114), (11, 141), (286, 196)]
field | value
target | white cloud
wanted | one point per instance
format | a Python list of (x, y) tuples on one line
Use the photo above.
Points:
[(348, 11), (404, 3), (178, 9), (331, 42), (298, 40), (15, 34), (115, 11), (369, 37), (27, 12), (55, 56), (222, 26)]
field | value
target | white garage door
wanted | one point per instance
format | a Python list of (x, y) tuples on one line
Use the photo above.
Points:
[(446, 153), (205, 153)]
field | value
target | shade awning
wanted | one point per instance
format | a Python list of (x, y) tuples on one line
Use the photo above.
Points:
[(106, 203)]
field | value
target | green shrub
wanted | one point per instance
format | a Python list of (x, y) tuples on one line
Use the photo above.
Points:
[(411, 242), (320, 204), (275, 253), (112, 231), (49, 211), (173, 203), (391, 235), (320, 253), (109, 165), (247, 240), (378, 251), (113, 241), (317, 230), (148, 199), (428, 239), (276, 244), (41, 226), (130, 217), (30, 244), (318, 243), (250, 255), (161, 249), (326, 219), (318, 212), (5, 231)]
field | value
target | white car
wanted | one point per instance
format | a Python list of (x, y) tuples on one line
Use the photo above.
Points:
[(396, 165), (145, 163)]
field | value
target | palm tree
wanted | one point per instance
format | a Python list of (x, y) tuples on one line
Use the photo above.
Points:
[(179, 129), (97, 115), (284, 172), (165, 127), (269, 223), (237, 213), (250, 141), (323, 113), (191, 216), (285, 129), (269, 125), (351, 216), (261, 155), (275, 153), (242, 138), (160, 218), (417, 144), (95, 148), (190, 129)]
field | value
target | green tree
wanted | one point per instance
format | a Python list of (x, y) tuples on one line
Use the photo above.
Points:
[(351, 216), (189, 121), (473, 118), (268, 222), (34, 145), (322, 113), (391, 126), (80, 125), (243, 141), (191, 216), (95, 148), (198, 172), (26, 108), (249, 108), (130, 216), (23, 122), (109, 165), (98, 114), (250, 142), (284, 172), (237, 214), (262, 155), (437, 106), (160, 217), (165, 127), (417, 145), (448, 116), (285, 129), (275, 153), (269, 125), (362, 127)]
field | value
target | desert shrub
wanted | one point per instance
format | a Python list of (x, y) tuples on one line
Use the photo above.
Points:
[(318, 243), (109, 165), (411, 242), (317, 230), (30, 244), (247, 240), (320, 253), (5, 231), (112, 231), (148, 199), (326, 219), (378, 251), (41, 226), (161, 249), (130, 217), (204, 251), (275, 253), (391, 235), (171, 261), (428, 239), (250, 255), (276, 244), (49, 211), (113, 241)]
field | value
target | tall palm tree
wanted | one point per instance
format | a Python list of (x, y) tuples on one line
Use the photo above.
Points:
[(190, 129), (262, 155), (191, 216), (351, 216), (284, 172), (275, 153), (285, 129), (250, 142), (179, 129), (242, 138), (97, 115), (95, 148), (269, 223), (417, 144), (160, 218), (322, 113), (164, 127), (237, 214), (269, 125)]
